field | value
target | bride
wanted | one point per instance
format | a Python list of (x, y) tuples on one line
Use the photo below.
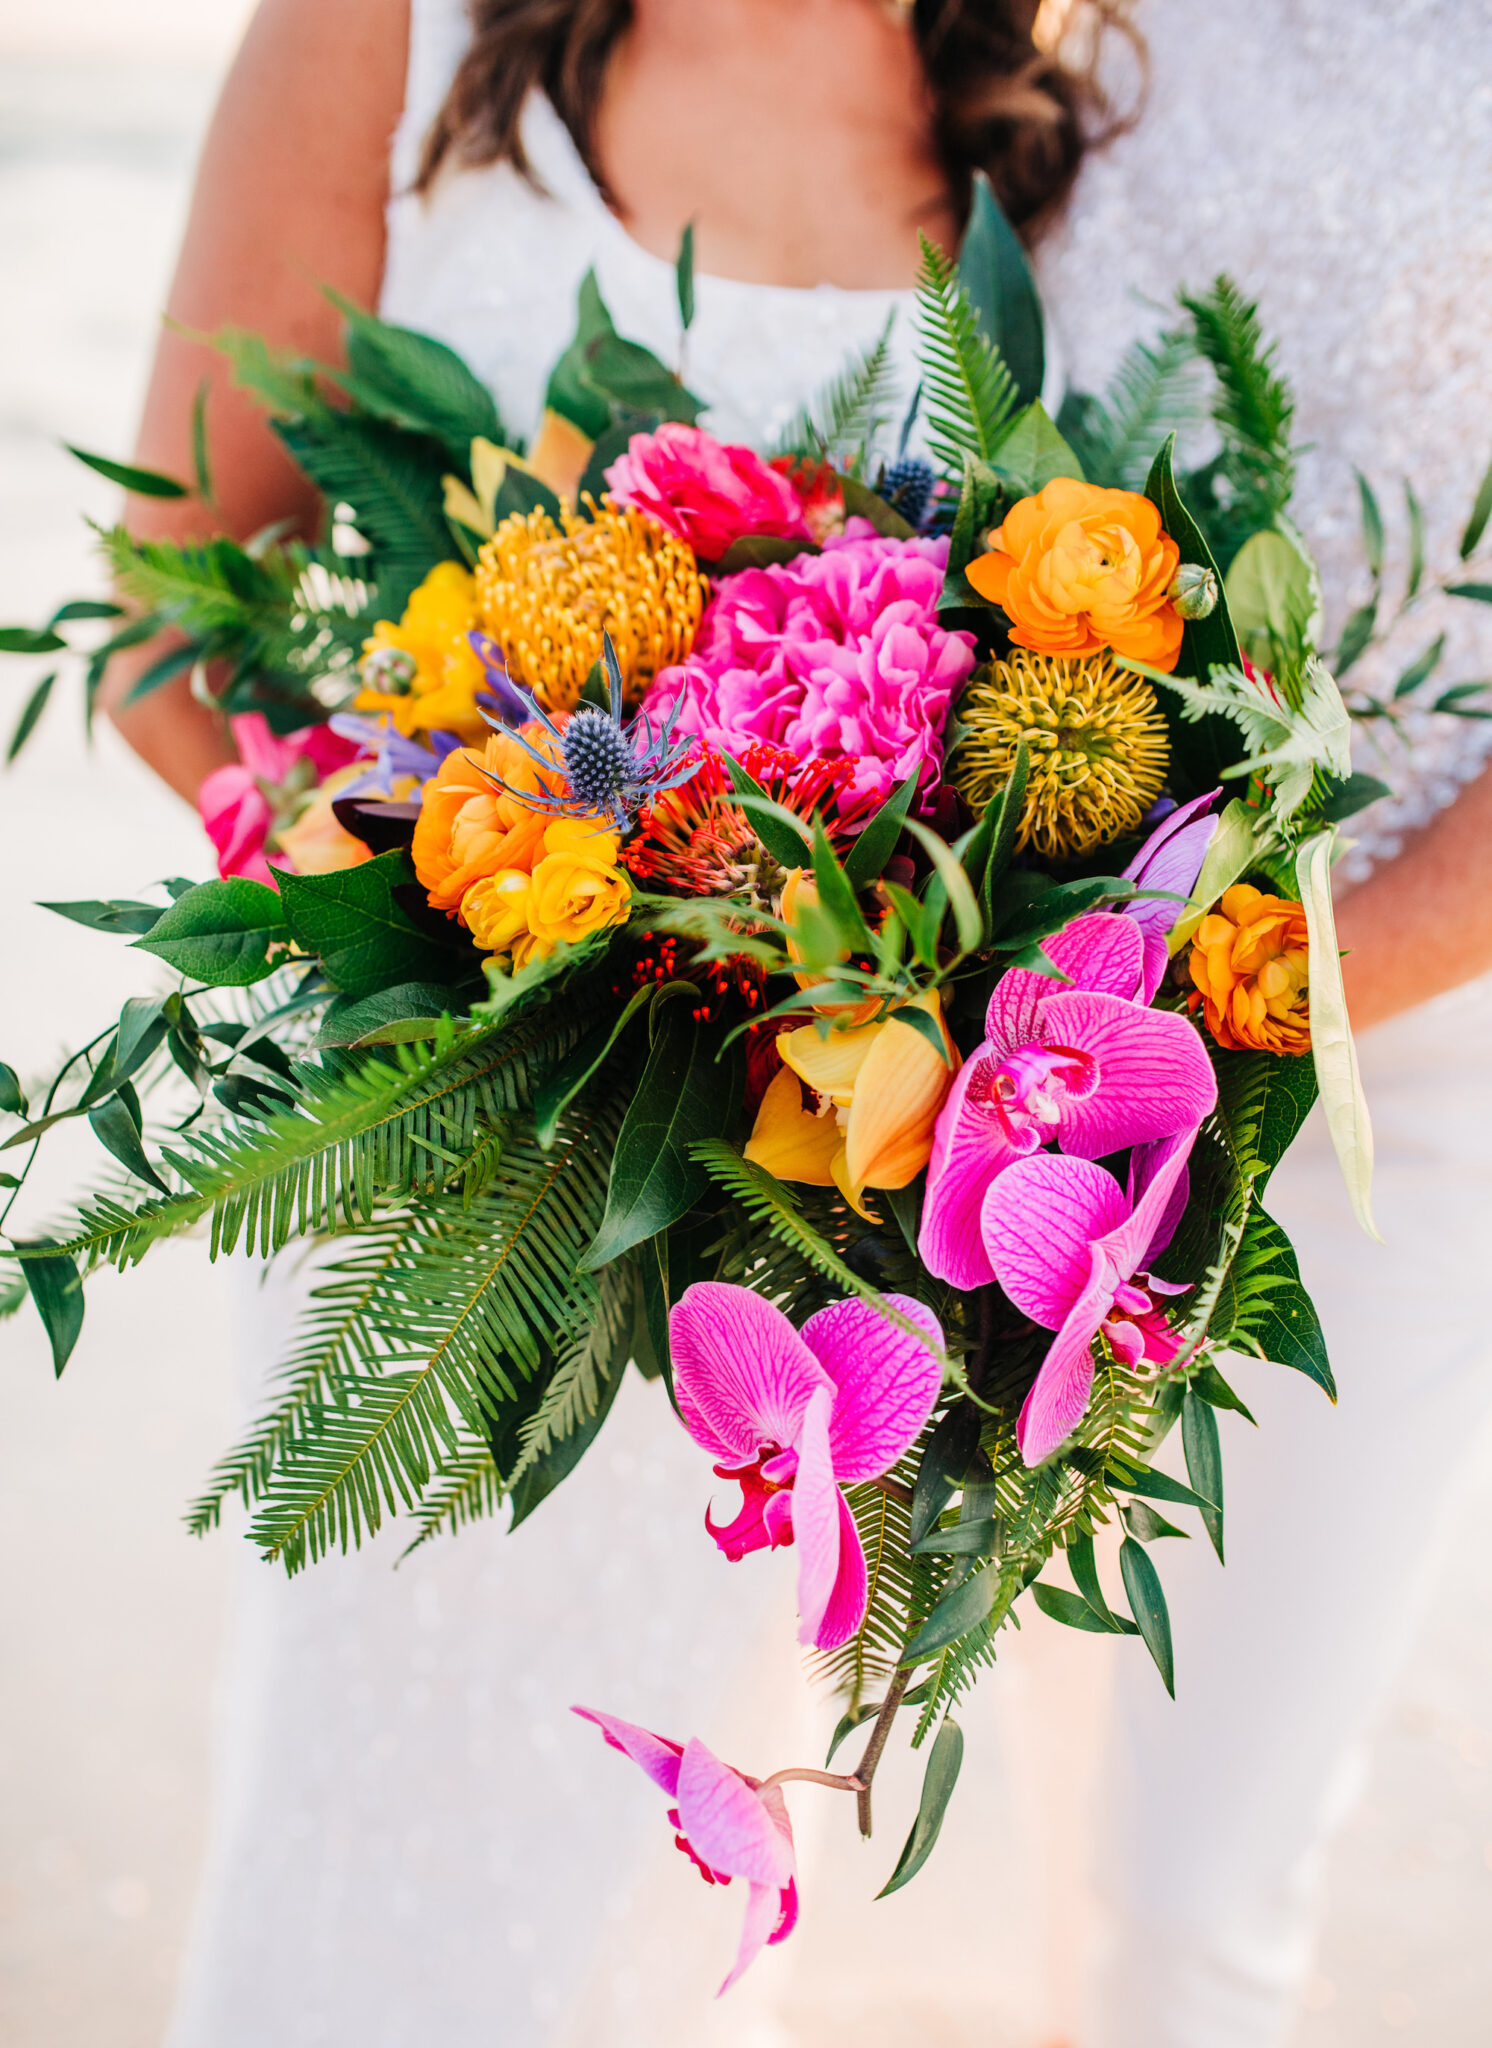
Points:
[(410, 1847)]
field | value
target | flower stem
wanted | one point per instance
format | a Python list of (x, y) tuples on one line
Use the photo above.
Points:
[(878, 1737), (807, 1777)]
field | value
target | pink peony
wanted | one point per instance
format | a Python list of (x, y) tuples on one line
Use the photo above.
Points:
[(835, 656), (707, 493), (239, 802)]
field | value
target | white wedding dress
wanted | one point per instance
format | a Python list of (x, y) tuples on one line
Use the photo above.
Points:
[(414, 1843)]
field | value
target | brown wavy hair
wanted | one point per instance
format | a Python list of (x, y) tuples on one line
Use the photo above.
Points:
[(1001, 102)]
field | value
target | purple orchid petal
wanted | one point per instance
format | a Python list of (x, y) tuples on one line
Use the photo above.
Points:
[(1155, 1076), (656, 1755), (743, 1377), (1102, 951), (1057, 1401), (1171, 858), (887, 1382), (1041, 1219), (1143, 1164), (817, 1525), (969, 1149)]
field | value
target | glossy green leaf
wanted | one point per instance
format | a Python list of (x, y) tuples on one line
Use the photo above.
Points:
[(1148, 1605), (400, 1015), (1285, 1325), (967, 918), (1199, 751), (1420, 671), (1414, 513), (57, 1289), (1209, 1384), (1372, 526), (937, 1789), (685, 1095), (362, 935), (1347, 798), (1274, 596), (1071, 1609), (560, 1460), (570, 392), (631, 376), (861, 502), (995, 272), (866, 860), (944, 1463), (1480, 593), (12, 1094), (1204, 1463), (961, 1539), (145, 483), (118, 1132), (971, 1602), (1031, 452), (567, 1080), (142, 1026), (1083, 1565), (784, 836), (1126, 1476), (31, 712), (221, 932), (418, 382), (85, 608)]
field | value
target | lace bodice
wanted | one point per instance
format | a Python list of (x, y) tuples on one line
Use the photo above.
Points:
[(1336, 160)]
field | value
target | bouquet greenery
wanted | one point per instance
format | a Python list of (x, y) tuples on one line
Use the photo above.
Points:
[(846, 929)]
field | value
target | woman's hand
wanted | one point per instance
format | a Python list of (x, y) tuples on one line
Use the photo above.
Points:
[(289, 198), (1422, 924)]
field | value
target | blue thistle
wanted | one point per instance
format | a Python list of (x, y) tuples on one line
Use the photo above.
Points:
[(610, 766), (907, 487)]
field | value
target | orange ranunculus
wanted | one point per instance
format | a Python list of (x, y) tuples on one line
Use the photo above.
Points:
[(1077, 568), (1250, 964), (467, 828), (879, 1088)]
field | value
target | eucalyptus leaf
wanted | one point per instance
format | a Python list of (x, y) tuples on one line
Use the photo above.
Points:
[(684, 276), (1372, 527), (971, 1602), (145, 483), (1480, 593), (1071, 1609), (30, 640), (1146, 1526), (30, 717), (1204, 1463)]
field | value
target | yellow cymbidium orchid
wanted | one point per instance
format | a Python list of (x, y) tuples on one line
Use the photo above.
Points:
[(879, 1087), (557, 458)]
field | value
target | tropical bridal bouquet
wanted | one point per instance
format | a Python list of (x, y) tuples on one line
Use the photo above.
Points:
[(845, 928)]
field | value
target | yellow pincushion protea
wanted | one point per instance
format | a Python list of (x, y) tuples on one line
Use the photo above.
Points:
[(1097, 742), (422, 672), (547, 592)]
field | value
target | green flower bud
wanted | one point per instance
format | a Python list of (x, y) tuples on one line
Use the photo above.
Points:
[(1193, 591), (389, 670)]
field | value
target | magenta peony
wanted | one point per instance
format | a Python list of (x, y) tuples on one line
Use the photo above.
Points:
[(706, 492), (838, 656)]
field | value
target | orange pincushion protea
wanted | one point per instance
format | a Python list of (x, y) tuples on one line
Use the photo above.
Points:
[(1250, 964), (1077, 568)]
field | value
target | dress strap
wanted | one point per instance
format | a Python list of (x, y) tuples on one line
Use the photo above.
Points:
[(439, 31)]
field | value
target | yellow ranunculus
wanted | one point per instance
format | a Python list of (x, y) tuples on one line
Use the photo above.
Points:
[(440, 695), (880, 1087), (495, 909), (577, 886)]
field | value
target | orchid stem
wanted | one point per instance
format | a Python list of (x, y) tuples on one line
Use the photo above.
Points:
[(878, 1739), (807, 1777), (893, 1489)]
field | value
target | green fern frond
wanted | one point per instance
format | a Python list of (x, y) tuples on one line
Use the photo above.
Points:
[(843, 419), (1254, 410), (1154, 392), (467, 1490), (334, 1345), (574, 1392), (460, 1317), (968, 394)]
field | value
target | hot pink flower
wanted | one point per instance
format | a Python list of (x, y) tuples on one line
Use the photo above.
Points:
[(1070, 1247), (729, 1825), (793, 1416), (1081, 1062), (837, 655), (708, 492), (239, 802)]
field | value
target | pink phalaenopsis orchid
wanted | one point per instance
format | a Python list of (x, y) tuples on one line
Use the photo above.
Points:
[(794, 1415), (1081, 1061), (1072, 1249), (1171, 859), (238, 802), (729, 1825)]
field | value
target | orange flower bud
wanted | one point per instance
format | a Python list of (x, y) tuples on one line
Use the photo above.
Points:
[(1250, 966), (1076, 569)]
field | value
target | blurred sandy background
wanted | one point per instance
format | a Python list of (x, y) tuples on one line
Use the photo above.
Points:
[(110, 1617)]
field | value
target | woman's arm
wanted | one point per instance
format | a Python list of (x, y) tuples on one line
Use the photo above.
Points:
[(289, 197), (1422, 923)]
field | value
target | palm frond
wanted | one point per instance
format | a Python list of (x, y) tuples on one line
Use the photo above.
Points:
[(366, 1129), (467, 1490), (968, 394), (460, 1318), (574, 1392)]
